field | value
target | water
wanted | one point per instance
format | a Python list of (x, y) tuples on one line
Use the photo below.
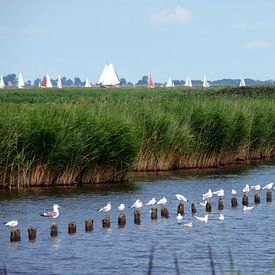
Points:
[(249, 236)]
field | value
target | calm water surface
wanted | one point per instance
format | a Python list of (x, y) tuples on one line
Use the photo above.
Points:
[(249, 236)]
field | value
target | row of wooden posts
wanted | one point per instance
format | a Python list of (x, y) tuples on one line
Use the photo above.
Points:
[(89, 224)]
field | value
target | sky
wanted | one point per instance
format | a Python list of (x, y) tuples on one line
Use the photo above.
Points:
[(167, 38)]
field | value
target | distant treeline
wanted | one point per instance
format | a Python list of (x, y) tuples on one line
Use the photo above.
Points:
[(76, 136)]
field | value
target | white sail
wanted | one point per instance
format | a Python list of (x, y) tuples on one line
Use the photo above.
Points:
[(87, 83), (21, 83), (188, 82), (205, 82), (242, 82), (109, 76), (2, 83), (59, 84), (48, 83), (170, 83)]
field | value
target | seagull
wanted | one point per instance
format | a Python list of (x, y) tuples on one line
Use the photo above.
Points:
[(12, 223), (246, 189), (234, 192), (153, 201), (106, 208), (268, 186), (188, 224), (121, 207), (179, 218), (202, 219), (181, 198), (219, 193), (137, 204), (255, 187), (52, 214), (246, 208), (221, 217), (162, 201), (207, 195)]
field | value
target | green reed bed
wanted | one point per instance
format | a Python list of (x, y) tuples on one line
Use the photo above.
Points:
[(78, 135)]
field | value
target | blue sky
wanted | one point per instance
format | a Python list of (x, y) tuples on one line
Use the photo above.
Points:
[(167, 38)]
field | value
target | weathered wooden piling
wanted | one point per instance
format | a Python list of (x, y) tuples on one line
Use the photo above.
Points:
[(89, 225), (15, 236), (106, 222), (164, 212), (208, 206), (269, 196), (121, 220), (137, 217), (180, 209), (71, 227), (257, 198), (220, 204), (193, 208), (234, 202), (32, 233), (154, 213), (54, 230), (245, 200)]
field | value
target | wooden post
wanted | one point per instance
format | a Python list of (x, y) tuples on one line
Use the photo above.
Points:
[(269, 196), (54, 230), (234, 202), (121, 220), (32, 233), (193, 208), (89, 225), (106, 222), (137, 217), (154, 213), (71, 227), (220, 204), (165, 212), (257, 198), (15, 236), (208, 206), (180, 209), (245, 200)]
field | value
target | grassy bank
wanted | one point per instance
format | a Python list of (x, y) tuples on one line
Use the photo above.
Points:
[(77, 135)]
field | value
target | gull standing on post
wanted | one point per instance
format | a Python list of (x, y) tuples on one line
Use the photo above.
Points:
[(268, 186), (234, 192), (162, 201), (256, 187), (207, 195), (246, 189), (106, 208), (12, 223), (153, 201), (137, 204), (181, 198), (52, 214), (121, 207), (219, 193)]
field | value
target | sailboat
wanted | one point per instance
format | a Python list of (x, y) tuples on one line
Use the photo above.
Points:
[(150, 82), (21, 83), (46, 82), (59, 84), (170, 83), (242, 82), (108, 77), (205, 82), (2, 83), (87, 83), (188, 82)]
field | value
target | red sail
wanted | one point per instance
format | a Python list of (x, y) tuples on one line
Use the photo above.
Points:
[(43, 82), (150, 81)]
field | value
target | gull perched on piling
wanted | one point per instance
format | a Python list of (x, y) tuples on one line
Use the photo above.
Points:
[(255, 187), (12, 223), (219, 193), (234, 192), (153, 201), (202, 219), (106, 208), (246, 189), (137, 204), (207, 195), (268, 186), (121, 207), (52, 214), (181, 198), (162, 201)]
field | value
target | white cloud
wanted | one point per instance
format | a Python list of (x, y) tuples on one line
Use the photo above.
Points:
[(257, 45), (175, 16), (31, 29)]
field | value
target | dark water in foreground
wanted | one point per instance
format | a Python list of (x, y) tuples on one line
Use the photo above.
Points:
[(249, 236)]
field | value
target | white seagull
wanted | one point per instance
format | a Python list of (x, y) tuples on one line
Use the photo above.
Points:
[(162, 201), (219, 193), (202, 219), (121, 207), (188, 224), (52, 214), (181, 198), (207, 195), (268, 186), (247, 208), (12, 223), (234, 192), (246, 189), (255, 187), (153, 201), (179, 218), (106, 208), (137, 204), (221, 217)]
